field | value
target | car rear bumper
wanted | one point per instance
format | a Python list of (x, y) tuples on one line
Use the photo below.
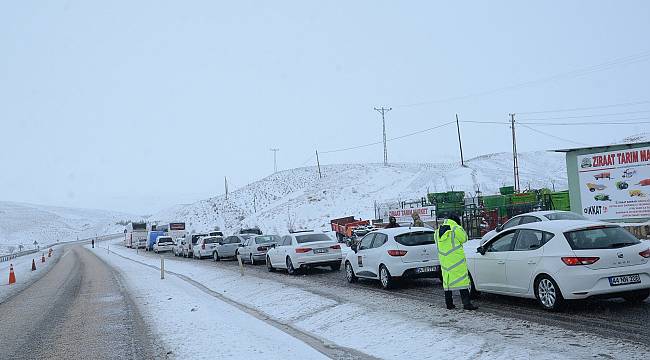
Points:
[(409, 270), (330, 259), (582, 282)]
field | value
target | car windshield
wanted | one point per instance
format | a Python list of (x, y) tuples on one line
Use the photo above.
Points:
[(415, 238), (265, 239), (165, 240), (312, 238), (602, 237), (212, 240), (564, 216)]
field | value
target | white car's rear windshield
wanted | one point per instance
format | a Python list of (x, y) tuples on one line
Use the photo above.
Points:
[(211, 241), (265, 239), (564, 216), (312, 238), (165, 240), (602, 237), (415, 238)]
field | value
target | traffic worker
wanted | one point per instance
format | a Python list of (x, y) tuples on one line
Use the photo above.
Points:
[(417, 222), (392, 222), (450, 238)]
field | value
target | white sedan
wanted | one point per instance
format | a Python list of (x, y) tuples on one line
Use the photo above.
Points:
[(532, 217), (205, 246), (391, 254), (302, 250), (254, 248), (163, 243), (556, 260)]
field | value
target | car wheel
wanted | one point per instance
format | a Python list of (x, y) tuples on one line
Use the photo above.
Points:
[(385, 279), (637, 297), (336, 267), (290, 269), (215, 256), (269, 266), (548, 293), (349, 273)]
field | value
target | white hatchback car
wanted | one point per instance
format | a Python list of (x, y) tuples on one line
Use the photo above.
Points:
[(391, 254), (556, 260), (163, 244), (255, 247), (205, 246), (532, 217), (302, 250)]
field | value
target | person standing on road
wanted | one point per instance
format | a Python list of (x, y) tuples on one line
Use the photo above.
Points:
[(450, 238), (392, 222), (417, 222), (92, 241)]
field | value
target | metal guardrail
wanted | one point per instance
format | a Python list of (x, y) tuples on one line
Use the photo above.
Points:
[(8, 257)]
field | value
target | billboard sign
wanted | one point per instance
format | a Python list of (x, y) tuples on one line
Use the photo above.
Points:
[(426, 213), (615, 185)]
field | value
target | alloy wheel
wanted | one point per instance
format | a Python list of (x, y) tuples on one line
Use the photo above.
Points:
[(546, 293)]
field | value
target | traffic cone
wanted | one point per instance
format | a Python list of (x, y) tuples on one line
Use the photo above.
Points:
[(12, 276), (43, 258), (33, 265)]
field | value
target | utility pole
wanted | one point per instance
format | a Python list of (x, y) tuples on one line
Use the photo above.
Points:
[(460, 143), (382, 110), (318, 163), (225, 180), (275, 159), (515, 162)]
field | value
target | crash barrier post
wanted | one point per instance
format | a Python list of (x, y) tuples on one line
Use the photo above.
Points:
[(162, 267), (241, 264), (43, 258), (49, 253), (33, 265), (12, 276), (108, 248)]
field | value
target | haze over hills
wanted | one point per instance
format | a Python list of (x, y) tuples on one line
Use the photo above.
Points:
[(25, 223), (298, 199)]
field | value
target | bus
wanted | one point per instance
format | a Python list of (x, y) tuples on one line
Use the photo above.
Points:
[(136, 235)]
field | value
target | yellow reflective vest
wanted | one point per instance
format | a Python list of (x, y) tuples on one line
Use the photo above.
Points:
[(450, 238)]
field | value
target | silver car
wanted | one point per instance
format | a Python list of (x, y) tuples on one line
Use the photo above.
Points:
[(254, 248), (228, 248), (205, 246)]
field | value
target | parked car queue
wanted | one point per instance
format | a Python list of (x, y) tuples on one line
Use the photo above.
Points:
[(552, 257)]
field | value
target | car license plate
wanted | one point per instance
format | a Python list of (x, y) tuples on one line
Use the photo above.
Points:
[(426, 269), (320, 251), (624, 280)]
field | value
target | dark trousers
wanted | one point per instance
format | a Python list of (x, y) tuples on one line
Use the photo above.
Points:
[(464, 297)]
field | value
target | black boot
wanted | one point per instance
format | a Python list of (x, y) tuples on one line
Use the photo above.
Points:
[(467, 304), (449, 300)]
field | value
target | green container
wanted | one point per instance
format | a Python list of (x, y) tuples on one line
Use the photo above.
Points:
[(523, 198), (455, 196), (507, 190), (560, 201)]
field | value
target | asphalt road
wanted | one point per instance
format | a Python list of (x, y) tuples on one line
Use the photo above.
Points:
[(612, 318), (78, 310)]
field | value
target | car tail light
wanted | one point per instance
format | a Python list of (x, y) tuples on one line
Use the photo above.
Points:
[(397, 252), (302, 250), (580, 260), (335, 247), (645, 253)]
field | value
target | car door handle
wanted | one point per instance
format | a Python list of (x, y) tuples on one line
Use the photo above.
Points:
[(501, 262)]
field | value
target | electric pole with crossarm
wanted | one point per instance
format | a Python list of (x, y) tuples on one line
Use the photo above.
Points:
[(382, 110), (275, 159)]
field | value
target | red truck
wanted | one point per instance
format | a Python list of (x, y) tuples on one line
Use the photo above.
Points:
[(343, 227)]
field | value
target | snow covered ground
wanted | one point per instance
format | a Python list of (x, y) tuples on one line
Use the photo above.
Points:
[(25, 223), (299, 199), (372, 324), (23, 271)]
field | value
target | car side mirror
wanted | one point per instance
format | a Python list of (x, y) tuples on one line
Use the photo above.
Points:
[(354, 247), (481, 250), (273, 245), (499, 228), (241, 245)]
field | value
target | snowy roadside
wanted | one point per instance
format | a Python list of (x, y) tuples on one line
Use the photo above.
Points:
[(380, 330), (23, 271), (191, 324)]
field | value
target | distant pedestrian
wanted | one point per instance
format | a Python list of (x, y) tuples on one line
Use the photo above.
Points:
[(450, 238), (392, 222), (417, 222), (92, 241)]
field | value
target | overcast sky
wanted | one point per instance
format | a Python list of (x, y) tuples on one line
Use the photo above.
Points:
[(138, 105)]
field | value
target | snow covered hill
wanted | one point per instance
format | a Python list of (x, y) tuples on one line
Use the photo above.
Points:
[(298, 199), (25, 223)]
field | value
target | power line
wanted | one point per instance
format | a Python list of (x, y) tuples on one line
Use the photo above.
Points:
[(553, 136), (621, 122), (590, 115), (643, 56), (586, 108)]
